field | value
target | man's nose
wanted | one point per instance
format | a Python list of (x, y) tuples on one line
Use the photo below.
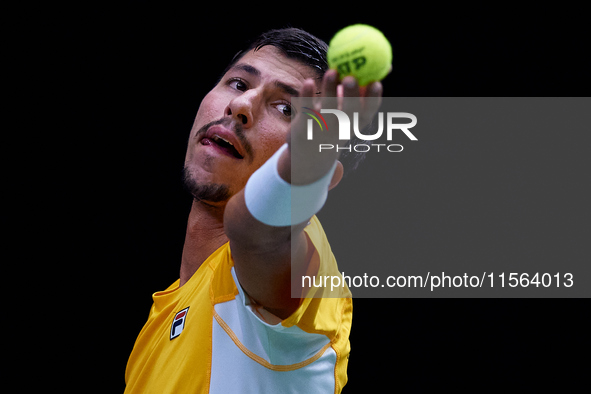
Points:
[(241, 107)]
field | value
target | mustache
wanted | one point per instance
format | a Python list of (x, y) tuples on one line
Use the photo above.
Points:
[(236, 128)]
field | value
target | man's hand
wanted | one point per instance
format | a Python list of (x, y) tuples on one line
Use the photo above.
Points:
[(307, 164)]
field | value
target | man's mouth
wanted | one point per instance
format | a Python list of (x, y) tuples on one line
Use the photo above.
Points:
[(222, 144)]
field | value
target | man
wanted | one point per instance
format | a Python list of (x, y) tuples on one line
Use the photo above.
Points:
[(230, 323)]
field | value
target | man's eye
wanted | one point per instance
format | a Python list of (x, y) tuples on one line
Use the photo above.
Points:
[(285, 109), (238, 84)]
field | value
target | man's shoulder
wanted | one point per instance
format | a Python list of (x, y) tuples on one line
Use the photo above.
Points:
[(222, 286)]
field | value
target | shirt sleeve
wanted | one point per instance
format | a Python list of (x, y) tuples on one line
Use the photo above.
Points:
[(321, 311)]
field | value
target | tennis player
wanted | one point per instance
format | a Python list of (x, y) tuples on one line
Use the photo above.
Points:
[(230, 324)]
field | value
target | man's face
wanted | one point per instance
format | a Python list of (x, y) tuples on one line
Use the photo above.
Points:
[(250, 109)]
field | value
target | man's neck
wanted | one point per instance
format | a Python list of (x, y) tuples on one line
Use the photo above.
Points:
[(205, 234)]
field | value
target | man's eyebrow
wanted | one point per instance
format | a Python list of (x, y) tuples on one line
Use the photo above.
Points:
[(287, 88), (290, 90), (247, 68)]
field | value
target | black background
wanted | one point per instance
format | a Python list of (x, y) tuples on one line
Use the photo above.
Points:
[(131, 79)]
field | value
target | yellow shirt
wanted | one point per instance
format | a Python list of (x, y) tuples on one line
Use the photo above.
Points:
[(205, 337)]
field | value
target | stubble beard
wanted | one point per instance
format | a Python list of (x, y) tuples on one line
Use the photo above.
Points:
[(212, 192)]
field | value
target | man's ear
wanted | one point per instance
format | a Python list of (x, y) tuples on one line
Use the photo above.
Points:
[(337, 176)]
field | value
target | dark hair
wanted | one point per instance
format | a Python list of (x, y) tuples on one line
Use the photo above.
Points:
[(300, 45), (295, 44)]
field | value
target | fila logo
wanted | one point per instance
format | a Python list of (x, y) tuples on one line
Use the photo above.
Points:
[(178, 323)]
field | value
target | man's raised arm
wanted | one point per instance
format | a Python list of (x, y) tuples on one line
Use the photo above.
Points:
[(261, 237)]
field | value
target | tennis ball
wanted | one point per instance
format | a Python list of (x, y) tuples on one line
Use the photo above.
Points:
[(362, 51)]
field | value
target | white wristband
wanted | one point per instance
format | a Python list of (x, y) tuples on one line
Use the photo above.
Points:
[(275, 202)]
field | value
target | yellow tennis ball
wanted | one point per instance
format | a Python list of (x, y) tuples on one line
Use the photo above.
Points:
[(362, 51)]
